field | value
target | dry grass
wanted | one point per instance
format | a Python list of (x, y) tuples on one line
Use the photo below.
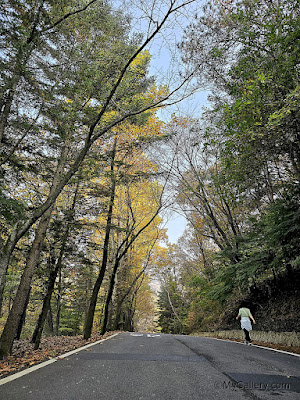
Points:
[(286, 341)]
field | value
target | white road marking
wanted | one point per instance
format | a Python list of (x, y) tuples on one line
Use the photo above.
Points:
[(152, 335), (253, 345), (136, 334)]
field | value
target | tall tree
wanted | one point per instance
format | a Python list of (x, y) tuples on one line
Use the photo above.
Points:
[(37, 334), (97, 107), (247, 51), (123, 170)]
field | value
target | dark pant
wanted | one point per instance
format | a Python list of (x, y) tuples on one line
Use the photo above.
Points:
[(247, 336)]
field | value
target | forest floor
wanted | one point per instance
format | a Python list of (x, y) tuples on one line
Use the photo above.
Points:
[(23, 356)]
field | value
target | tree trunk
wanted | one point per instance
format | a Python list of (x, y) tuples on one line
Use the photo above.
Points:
[(129, 326), (58, 305), (21, 60), (23, 317), (117, 322), (87, 292), (93, 301), (37, 334), (109, 296), (10, 328), (121, 301), (6, 251), (9, 331), (120, 254), (4, 262), (59, 182), (49, 322)]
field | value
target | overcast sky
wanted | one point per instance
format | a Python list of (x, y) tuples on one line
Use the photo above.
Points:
[(163, 50)]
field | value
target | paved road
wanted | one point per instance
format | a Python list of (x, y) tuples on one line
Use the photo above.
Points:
[(132, 366)]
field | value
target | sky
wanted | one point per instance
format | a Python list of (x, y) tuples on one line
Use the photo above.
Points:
[(163, 50), (165, 61), (176, 226)]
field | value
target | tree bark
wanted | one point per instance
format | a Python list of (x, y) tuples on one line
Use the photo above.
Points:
[(93, 301), (5, 255), (23, 317), (58, 304), (49, 322), (37, 334), (10, 328), (121, 301), (109, 296), (21, 59)]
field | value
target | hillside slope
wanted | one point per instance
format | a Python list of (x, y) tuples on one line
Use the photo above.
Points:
[(275, 304)]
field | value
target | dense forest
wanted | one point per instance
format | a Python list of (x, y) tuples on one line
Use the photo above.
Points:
[(89, 168), (236, 173)]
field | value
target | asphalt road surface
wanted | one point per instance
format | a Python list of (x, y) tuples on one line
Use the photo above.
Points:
[(136, 366)]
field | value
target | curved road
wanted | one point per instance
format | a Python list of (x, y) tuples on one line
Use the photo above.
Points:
[(136, 366)]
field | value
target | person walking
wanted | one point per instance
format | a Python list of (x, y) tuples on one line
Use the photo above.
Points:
[(245, 316)]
